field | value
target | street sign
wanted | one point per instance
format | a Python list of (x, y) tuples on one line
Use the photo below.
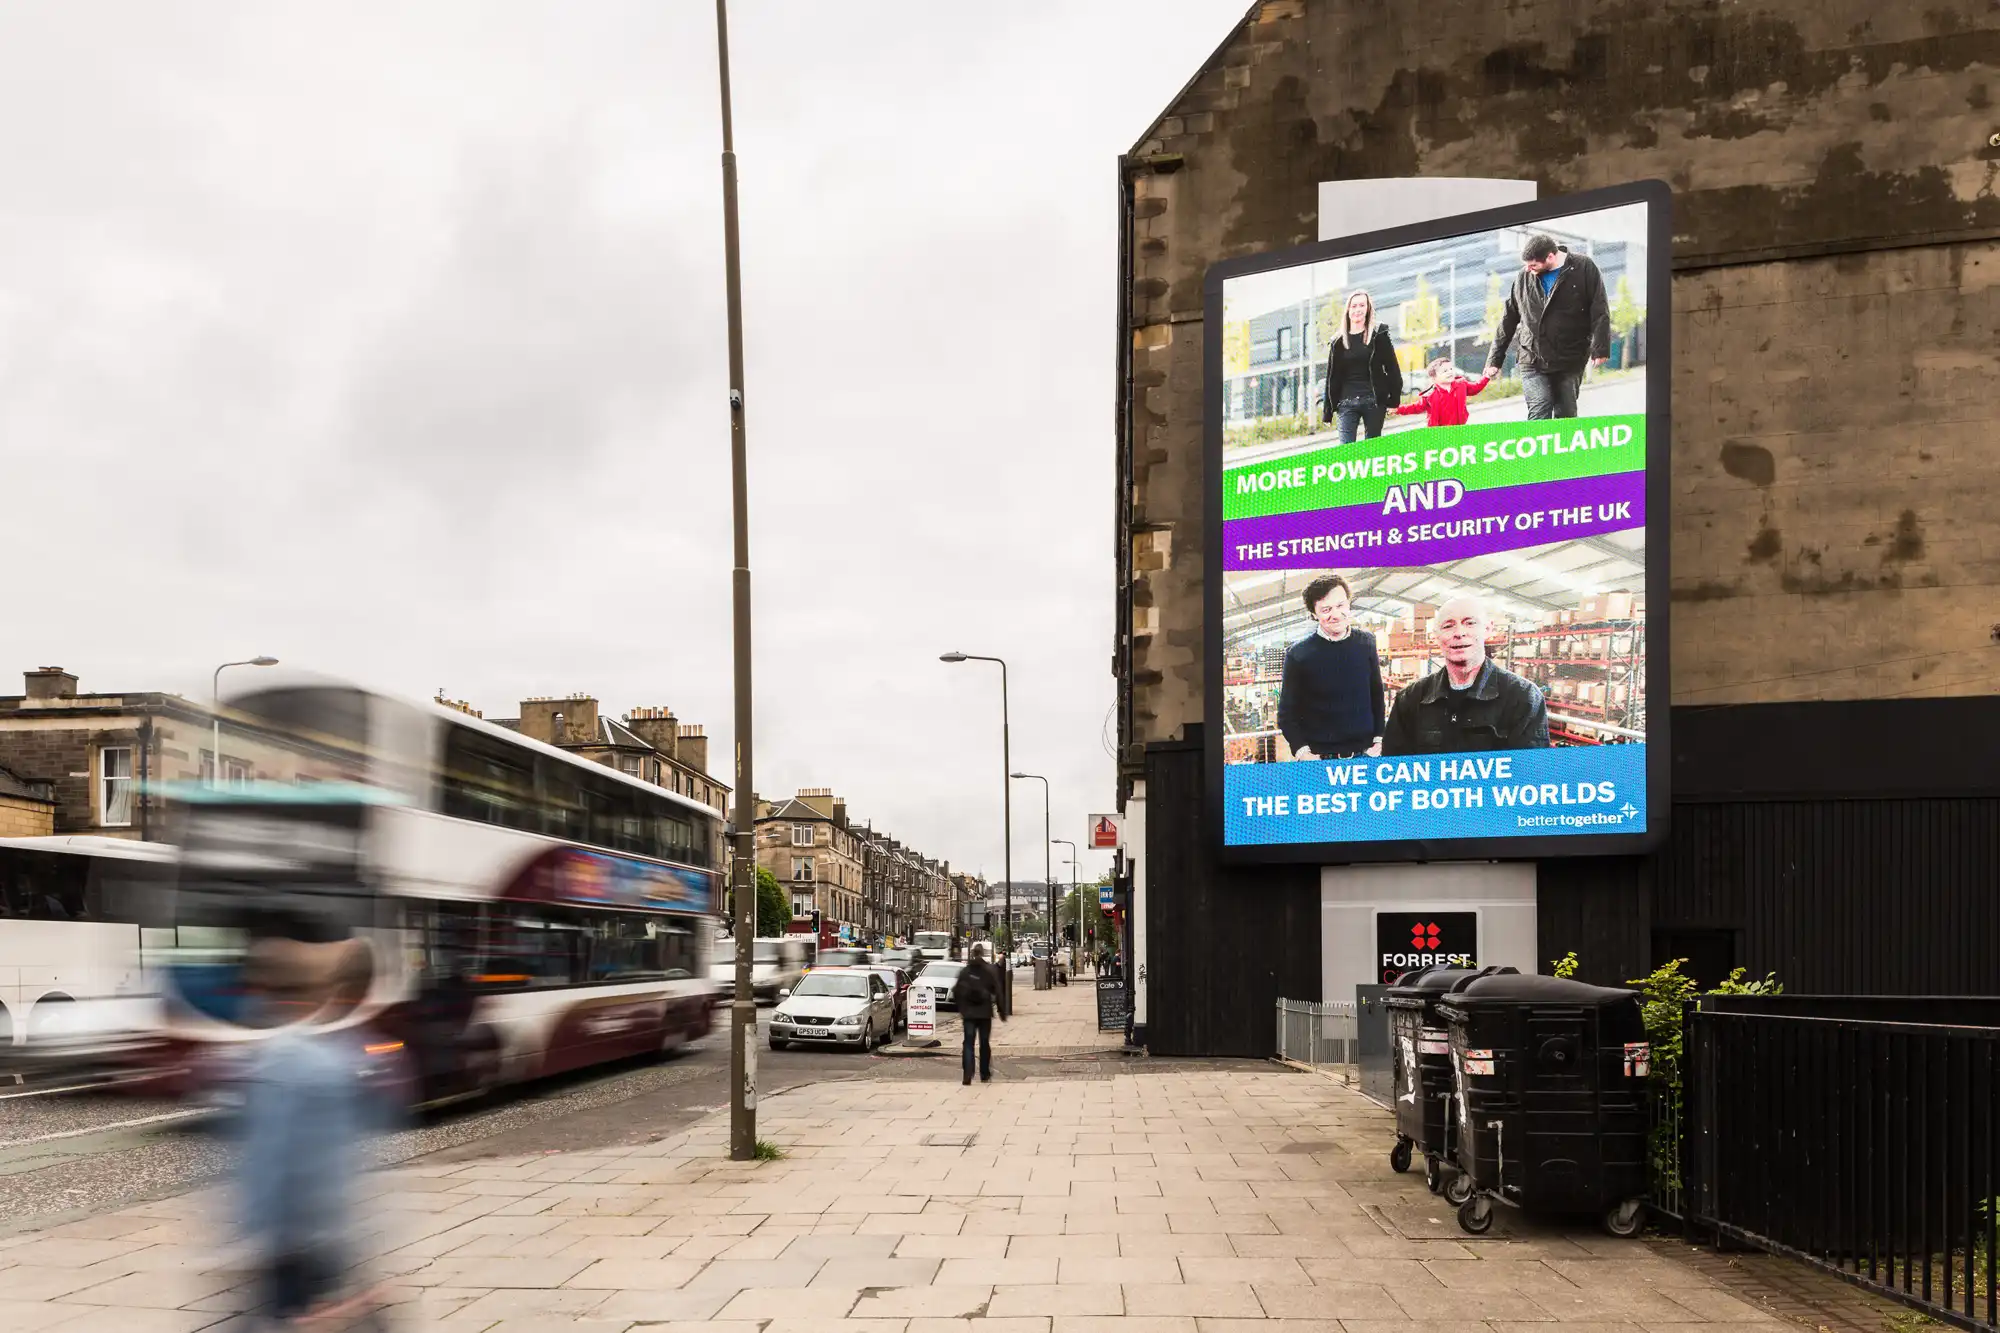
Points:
[(923, 1012), (1104, 831)]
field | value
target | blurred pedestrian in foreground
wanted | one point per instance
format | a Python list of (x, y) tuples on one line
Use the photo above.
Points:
[(304, 1122), (977, 995)]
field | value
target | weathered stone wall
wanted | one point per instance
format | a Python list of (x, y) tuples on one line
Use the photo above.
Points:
[(23, 817), (1836, 494)]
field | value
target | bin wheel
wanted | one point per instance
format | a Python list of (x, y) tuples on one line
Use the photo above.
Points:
[(1475, 1215), (1433, 1175), (1624, 1220), (1399, 1156), (1458, 1189)]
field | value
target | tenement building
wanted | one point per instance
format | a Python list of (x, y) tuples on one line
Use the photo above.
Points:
[(1831, 279)]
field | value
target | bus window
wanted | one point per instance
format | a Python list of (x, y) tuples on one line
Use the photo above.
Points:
[(485, 780), (615, 822), (563, 814), (676, 837), (139, 892), (622, 948)]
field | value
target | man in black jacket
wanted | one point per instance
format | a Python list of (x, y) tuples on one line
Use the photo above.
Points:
[(1330, 699), (1469, 703), (1559, 309), (977, 993)]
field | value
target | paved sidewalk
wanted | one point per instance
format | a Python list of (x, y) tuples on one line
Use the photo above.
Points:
[(1154, 1197), (1056, 1022)]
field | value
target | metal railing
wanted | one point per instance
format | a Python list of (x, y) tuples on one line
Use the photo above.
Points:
[(1868, 1148), (1319, 1036), (1665, 1134)]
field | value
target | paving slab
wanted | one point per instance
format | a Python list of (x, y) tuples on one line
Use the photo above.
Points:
[(1101, 1194)]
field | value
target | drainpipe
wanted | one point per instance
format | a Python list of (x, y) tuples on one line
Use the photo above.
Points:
[(1122, 644), (145, 774)]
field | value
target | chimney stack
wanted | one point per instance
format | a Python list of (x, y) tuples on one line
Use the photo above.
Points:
[(51, 683), (578, 714), (691, 746), (656, 727)]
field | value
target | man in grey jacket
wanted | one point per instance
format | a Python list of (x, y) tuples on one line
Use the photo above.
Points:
[(1559, 309)]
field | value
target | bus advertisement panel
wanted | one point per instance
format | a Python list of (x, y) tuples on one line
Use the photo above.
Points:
[(1437, 521)]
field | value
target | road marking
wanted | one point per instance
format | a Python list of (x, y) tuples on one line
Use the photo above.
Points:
[(92, 1086), (105, 1129)]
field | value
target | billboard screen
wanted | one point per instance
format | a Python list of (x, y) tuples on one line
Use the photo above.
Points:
[(1436, 580)]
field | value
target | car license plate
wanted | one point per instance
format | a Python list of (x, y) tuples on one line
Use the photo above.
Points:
[(813, 1032)]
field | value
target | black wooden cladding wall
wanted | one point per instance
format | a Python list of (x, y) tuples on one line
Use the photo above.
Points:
[(1852, 848), (1222, 943)]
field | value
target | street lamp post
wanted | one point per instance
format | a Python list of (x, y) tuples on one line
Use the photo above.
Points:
[(1006, 791), (1048, 871), (743, 1005), (215, 697), (1078, 954)]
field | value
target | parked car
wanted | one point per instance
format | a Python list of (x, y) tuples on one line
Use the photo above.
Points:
[(837, 1006), (898, 981), (939, 978)]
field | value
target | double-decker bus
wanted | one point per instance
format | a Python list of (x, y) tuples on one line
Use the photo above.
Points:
[(529, 912)]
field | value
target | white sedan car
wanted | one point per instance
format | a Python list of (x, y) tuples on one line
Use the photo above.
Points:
[(939, 978), (838, 1007)]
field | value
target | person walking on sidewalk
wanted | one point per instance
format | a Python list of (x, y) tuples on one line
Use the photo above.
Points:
[(977, 995), (305, 1116), (1559, 308)]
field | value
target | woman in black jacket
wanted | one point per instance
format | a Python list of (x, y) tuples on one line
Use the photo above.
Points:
[(1363, 378)]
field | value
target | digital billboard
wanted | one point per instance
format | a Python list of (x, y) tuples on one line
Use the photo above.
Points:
[(1436, 557)]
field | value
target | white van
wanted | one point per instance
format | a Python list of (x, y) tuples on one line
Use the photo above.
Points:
[(776, 963)]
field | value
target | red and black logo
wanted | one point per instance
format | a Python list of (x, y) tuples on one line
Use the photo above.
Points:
[(1405, 941)]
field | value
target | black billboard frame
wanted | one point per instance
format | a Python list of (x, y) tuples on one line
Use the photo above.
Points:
[(1657, 195)]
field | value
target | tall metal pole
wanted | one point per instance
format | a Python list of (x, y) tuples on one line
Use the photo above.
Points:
[(1006, 788), (215, 703), (1076, 957), (1048, 871), (743, 1007)]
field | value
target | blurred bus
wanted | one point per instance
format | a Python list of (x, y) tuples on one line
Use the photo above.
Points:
[(77, 915), (530, 912)]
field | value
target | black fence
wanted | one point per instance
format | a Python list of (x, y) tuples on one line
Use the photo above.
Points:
[(1859, 1135)]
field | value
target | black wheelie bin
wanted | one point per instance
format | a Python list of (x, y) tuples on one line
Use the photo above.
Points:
[(1421, 1052), (1552, 1098)]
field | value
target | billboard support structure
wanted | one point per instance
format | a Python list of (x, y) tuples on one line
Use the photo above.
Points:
[(1512, 550)]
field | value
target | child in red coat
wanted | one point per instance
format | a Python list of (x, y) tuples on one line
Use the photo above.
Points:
[(1444, 401)]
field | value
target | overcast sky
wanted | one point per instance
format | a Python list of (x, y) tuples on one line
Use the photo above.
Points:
[(388, 339)]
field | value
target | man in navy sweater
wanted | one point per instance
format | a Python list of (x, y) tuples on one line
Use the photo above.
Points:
[(1330, 703)]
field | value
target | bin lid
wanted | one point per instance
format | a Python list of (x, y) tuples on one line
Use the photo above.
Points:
[(1427, 983), (1527, 988)]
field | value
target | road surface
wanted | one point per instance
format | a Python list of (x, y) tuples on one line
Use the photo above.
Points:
[(71, 1154)]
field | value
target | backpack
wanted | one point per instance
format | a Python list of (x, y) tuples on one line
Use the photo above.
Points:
[(973, 988)]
